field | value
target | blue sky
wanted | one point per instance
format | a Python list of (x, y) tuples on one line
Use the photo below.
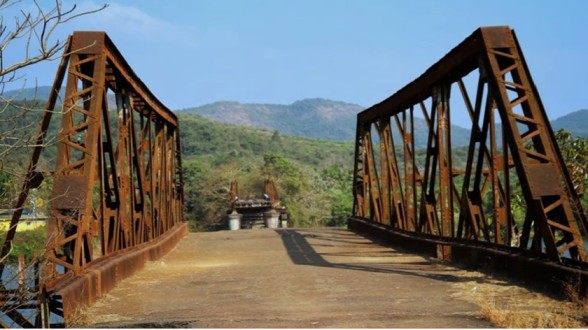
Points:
[(191, 53)]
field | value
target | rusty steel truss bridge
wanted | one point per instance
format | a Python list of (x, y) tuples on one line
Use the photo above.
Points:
[(462, 211), (117, 198)]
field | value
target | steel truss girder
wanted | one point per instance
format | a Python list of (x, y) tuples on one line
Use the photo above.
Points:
[(471, 200), (118, 179), (111, 192)]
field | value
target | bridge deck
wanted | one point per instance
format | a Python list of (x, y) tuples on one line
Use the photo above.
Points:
[(287, 278)]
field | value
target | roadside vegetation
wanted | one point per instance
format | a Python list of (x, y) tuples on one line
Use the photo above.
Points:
[(508, 305)]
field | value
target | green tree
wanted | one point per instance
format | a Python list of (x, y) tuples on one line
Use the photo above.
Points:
[(285, 173), (5, 189), (339, 192), (575, 153)]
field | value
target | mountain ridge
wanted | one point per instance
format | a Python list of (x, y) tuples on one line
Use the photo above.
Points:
[(312, 117), (574, 122)]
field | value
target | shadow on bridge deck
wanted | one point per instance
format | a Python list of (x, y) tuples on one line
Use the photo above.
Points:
[(387, 259)]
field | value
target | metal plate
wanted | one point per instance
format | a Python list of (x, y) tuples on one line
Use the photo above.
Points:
[(544, 180), (69, 192)]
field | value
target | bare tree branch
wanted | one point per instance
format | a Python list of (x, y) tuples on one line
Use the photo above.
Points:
[(38, 30)]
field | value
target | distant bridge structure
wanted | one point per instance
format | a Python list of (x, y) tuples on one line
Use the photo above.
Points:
[(464, 211), (253, 212), (116, 198)]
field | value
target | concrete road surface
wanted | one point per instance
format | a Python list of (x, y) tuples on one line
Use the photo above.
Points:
[(287, 278)]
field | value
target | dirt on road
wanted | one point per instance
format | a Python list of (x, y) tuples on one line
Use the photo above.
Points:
[(292, 278)]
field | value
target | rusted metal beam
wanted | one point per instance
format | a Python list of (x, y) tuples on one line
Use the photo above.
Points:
[(473, 200)]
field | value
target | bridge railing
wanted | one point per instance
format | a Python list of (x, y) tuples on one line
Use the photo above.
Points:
[(512, 154)]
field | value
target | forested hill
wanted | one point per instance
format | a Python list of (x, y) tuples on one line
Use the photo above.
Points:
[(39, 93), (221, 143), (313, 118)]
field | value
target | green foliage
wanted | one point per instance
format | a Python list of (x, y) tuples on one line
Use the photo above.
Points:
[(575, 153), (5, 189), (284, 172), (19, 127), (339, 182), (27, 243), (203, 194)]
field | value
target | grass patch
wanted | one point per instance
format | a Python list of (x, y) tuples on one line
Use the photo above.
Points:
[(510, 316), (507, 305)]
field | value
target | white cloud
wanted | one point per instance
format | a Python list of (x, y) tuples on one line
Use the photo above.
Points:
[(125, 21)]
